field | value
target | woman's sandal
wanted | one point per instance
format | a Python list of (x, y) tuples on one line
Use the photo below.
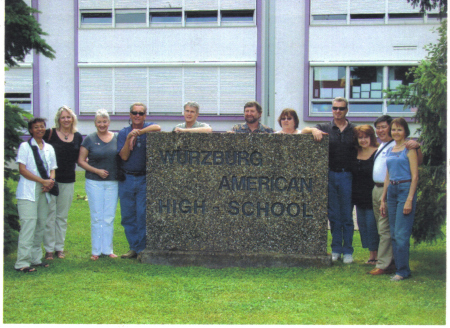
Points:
[(60, 254), (42, 264), (94, 257), (26, 269), (49, 256)]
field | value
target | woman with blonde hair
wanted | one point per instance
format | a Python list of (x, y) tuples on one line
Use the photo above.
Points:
[(66, 141), (102, 186)]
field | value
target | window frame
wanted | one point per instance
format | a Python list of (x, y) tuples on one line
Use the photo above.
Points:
[(130, 11), (326, 102), (96, 25)]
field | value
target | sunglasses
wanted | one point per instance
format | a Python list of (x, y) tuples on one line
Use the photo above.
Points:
[(138, 113), (339, 108), (286, 118)]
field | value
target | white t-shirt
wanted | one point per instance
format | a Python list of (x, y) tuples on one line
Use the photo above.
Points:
[(379, 167), (26, 188)]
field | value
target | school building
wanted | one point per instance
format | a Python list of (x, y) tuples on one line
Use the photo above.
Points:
[(221, 53)]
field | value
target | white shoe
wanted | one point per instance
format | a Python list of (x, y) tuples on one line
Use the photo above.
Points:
[(348, 258), (335, 256)]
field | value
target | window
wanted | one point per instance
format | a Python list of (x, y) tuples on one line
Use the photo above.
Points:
[(362, 85), (406, 18), (328, 83), (367, 18), (366, 88), (329, 19), (172, 17), (130, 17), (23, 100), (398, 76), (201, 17), (220, 90), (236, 16), (19, 87), (96, 18), (435, 18)]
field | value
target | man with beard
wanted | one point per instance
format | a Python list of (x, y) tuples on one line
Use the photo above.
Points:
[(252, 114)]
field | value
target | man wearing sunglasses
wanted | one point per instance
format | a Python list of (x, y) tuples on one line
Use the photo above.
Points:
[(191, 112), (131, 147), (340, 132)]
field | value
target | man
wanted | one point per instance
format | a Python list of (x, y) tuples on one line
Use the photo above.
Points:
[(191, 112), (340, 132), (252, 115), (385, 263), (132, 191)]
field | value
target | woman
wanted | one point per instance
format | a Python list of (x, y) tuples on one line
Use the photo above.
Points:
[(66, 142), (400, 186), (102, 187), (33, 196), (288, 121), (362, 185)]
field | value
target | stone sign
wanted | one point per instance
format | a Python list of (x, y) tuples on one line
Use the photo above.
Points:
[(224, 199)]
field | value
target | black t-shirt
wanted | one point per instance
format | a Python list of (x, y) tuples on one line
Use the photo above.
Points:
[(340, 144), (362, 183), (66, 155)]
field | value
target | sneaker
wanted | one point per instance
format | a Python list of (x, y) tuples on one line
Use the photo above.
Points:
[(335, 256), (348, 258)]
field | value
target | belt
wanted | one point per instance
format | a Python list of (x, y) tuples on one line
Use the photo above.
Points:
[(379, 185), (398, 182), (136, 174), (339, 170)]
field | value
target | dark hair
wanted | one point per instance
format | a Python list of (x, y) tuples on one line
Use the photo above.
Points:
[(400, 122), (34, 121), (253, 104), (367, 130), (289, 112), (384, 118)]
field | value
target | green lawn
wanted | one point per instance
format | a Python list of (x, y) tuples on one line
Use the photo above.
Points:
[(77, 290)]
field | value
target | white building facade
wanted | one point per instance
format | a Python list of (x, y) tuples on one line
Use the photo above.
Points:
[(221, 53)]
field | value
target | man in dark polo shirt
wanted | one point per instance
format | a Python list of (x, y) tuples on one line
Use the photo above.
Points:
[(340, 132)]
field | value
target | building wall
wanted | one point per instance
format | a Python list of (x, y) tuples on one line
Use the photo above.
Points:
[(282, 47)]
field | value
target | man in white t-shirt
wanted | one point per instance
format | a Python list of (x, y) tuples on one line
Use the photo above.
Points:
[(191, 112), (385, 263)]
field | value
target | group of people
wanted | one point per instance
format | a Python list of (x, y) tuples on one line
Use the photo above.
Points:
[(380, 180)]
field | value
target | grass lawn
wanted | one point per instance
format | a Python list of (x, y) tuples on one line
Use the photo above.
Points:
[(77, 290)]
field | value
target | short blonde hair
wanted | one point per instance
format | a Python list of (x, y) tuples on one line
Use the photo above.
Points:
[(71, 113)]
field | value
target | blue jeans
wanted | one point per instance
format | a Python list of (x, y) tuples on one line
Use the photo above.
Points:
[(340, 211), (133, 198), (367, 228), (102, 197), (401, 225)]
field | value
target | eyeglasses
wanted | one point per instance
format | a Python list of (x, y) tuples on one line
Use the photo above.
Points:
[(339, 108), (138, 113), (286, 118)]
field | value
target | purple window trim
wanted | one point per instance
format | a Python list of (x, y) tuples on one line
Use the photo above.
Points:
[(75, 67), (36, 91), (258, 49), (306, 69), (355, 118)]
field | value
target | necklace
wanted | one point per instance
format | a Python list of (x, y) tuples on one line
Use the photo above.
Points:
[(66, 136)]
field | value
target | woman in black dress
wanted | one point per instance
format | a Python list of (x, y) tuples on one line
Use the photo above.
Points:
[(362, 185)]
